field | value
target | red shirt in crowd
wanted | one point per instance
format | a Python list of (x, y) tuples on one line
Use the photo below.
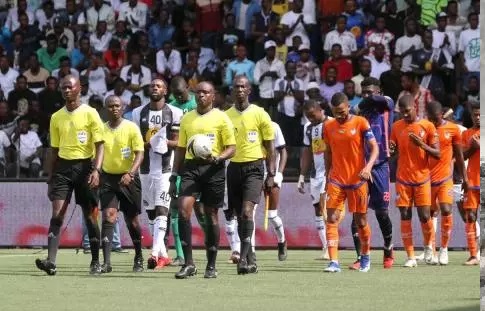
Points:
[(344, 69), (113, 62), (208, 16)]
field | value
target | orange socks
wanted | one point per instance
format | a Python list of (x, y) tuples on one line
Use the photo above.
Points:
[(470, 230), (364, 236), (332, 241), (446, 225), (407, 237), (428, 232)]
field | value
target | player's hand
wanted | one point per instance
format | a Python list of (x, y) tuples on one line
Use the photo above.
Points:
[(416, 140), (301, 184), (126, 179), (365, 174), (464, 186), (278, 179), (268, 183), (93, 179)]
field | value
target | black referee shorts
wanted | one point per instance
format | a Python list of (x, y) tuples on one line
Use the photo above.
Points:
[(204, 180), (244, 183), (128, 198), (69, 176)]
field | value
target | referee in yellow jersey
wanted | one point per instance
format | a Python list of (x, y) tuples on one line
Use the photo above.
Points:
[(204, 177), (75, 130), (120, 184), (245, 172)]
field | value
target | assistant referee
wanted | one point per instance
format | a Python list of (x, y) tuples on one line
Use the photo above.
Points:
[(75, 131), (204, 177), (120, 183), (254, 136)]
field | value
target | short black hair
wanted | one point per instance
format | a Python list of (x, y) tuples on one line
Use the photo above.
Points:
[(311, 103), (338, 98), (337, 45), (370, 81), (51, 37), (410, 75), (405, 101), (20, 77), (434, 106), (474, 105)]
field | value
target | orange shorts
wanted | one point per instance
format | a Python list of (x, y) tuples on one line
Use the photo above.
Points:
[(357, 198), (471, 199), (409, 196), (442, 194)]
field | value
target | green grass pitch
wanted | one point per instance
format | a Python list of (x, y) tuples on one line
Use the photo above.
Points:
[(297, 285)]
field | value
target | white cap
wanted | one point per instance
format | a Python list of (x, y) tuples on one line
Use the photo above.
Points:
[(269, 44), (312, 85), (304, 47)]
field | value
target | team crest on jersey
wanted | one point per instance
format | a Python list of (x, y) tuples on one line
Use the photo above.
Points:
[(211, 136), (353, 131), (82, 137), (341, 131), (126, 152), (447, 135), (421, 133)]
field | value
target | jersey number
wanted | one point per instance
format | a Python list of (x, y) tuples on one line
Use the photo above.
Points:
[(165, 196), (156, 119)]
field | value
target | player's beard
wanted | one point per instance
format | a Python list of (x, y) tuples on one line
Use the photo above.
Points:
[(156, 97)]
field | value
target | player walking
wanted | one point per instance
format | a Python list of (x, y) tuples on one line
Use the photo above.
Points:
[(348, 173), (442, 175), (254, 135), (378, 110), (202, 177), (414, 140), (76, 132), (159, 125), (120, 184), (315, 146), (471, 202)]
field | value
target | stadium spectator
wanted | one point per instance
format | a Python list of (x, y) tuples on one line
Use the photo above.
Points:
[(45, 16), (293, 54), (31, 34), (183, 37), (263, 25), (18, 94), (85, 93), (14, 14), (244, 11), (139, 44), (330, 85), (161, 32), (407, 44), (422, 96), (36, 75), (81, 55), (340, 36), (355, 23), (119, 89), (240, 66), (135, 14), (343, 65), (135, 102), (169, 61), (100, 39), (306, 69), (122, 34), (28, 149), (289, 94), (378, 61), (65, 36), (50, 97), (365, 68), (393, 22), (391, 79), (100, 11), (229, 38), (379, 35), (50, 56), (136, 75), (266, 72), (354, 100), (4, 152), (65, 69), (39, 121), (8, 121), (97, 74), (19, 54), (469, 48), (297, 23), (8, 76)]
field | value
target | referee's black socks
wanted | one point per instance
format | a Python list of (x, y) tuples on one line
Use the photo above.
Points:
[(53, 239), (107, 232), (94, 235), (185, 232), (135, 234), (245, 229), (211, 241)]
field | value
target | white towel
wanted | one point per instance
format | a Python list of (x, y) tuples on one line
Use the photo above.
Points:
[(158, 142)]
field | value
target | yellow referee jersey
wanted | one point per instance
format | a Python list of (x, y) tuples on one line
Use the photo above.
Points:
[(251, 126), (215, 124), (75, 132), (120, 145)]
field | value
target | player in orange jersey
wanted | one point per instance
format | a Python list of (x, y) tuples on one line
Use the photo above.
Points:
[(442, 175), (415, 141), (471, 152), (348, 172)]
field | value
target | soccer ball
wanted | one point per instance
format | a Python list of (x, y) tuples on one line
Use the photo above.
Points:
[(199, 146)]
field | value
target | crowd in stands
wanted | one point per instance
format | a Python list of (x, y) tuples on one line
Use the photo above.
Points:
[(290, 50)]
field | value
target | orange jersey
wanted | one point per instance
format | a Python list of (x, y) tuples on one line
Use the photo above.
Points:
[(412, 163), (347, 145), (449, 134), (473, 169)]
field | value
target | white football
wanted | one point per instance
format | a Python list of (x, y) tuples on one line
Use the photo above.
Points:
[(199, 146)]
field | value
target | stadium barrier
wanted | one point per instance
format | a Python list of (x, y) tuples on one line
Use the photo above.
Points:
[(25, 212)]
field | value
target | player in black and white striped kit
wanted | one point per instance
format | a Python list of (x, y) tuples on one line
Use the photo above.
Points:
[(159, 123)]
